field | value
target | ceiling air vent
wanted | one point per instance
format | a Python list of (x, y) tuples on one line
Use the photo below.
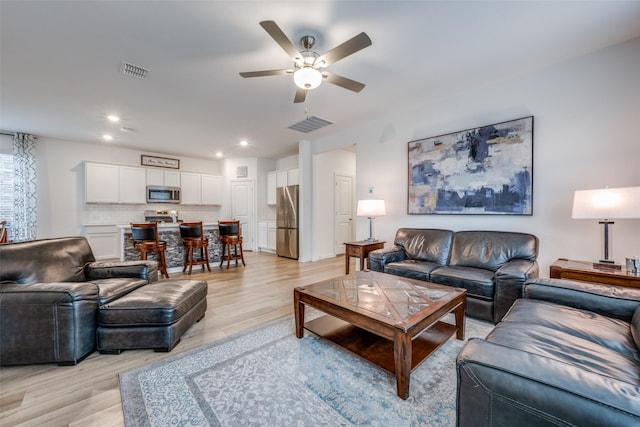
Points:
[(311, 124), (133, 70)]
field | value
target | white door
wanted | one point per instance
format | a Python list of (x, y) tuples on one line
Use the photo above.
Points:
[(343, 220), (243, 210)]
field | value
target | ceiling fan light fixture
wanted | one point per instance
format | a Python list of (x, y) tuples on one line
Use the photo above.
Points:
[(307, 78)]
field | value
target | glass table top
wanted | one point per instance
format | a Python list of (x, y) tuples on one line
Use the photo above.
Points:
[(393, 297)]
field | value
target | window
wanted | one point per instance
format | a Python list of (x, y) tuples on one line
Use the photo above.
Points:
[(6, 188)]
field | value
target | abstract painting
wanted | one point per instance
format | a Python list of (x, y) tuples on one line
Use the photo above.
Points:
[(486, 170)]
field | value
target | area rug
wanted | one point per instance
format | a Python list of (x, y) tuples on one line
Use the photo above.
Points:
[(268, 377)]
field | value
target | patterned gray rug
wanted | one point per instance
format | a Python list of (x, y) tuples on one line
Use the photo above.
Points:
[(268, 377)]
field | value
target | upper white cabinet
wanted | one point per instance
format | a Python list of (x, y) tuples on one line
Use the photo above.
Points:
[(201, 189), (105, 183), (211, 190), (162, 177), (277, 179), (101, 183), (132, 185), (271, 188)]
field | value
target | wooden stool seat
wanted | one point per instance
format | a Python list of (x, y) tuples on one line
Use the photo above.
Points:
[(231, 237), (192, 234), (145, 241)]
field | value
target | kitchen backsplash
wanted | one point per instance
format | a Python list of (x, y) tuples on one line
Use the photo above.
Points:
[(96, 214)]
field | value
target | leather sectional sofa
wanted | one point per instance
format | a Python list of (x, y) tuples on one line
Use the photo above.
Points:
[(52, 292), (567, 354), (492, 265)]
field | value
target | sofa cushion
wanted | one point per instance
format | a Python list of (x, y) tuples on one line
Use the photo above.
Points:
[(586, 325), (491, 249), (111, 289), (566, 348), (635, 327), (425, 244), (477, 282), (411, 268)]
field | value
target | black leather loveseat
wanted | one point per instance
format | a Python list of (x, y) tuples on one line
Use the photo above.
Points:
[(567, 354), (50, 291), (492, 265)]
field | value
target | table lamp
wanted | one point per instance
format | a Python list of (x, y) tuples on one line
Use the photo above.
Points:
[(371, 209), (607, 204)]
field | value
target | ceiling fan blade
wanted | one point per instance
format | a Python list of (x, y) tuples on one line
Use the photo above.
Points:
[(301, 95), (265, 73), (347, 48), (344, 82), (276, 33)]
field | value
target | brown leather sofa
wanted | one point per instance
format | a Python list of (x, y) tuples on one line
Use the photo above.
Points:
[(492, 265), (50, 292), (567, 354)]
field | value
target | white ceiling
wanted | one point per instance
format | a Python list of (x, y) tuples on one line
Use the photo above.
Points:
[(60, 64)]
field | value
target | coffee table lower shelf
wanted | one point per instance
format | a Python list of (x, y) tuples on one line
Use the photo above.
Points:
[(374, 348)]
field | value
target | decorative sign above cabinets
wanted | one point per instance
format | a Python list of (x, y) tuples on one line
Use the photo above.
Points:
[(160, 162)]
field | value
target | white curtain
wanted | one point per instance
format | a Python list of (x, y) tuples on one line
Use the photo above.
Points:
[(25, 197)]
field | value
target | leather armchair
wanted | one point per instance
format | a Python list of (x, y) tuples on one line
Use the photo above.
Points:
[(564, 355), (50, 291)]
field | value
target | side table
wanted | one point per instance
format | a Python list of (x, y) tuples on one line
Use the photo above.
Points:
[(360, 250), (583, 270)]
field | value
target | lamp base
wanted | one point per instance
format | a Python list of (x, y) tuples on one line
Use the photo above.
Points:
[(370, 240), (605, 264)]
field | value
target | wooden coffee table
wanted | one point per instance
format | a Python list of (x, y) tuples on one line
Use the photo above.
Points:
[(389, 320)]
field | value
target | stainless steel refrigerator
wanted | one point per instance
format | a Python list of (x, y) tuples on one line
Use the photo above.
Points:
[(287, 221)]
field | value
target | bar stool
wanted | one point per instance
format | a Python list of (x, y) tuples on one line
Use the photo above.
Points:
[(3, 231), (192, 234), (145, 240), (231, 235)]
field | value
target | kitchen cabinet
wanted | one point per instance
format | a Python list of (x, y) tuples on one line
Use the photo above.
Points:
[(292, 177), (162, 177), (281, 179), (101, 183), (132, 185), (104, 241), (271, 188), (201, 189), (267, 236), (106, 183)]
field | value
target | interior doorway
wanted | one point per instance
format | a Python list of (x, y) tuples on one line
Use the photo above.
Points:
[(343, 219), (243, 210)]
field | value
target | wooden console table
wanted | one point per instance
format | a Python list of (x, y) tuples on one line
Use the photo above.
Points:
[(583, 270), (360, 250)]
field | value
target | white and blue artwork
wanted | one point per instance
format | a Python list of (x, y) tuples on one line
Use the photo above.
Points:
[(486, 170)]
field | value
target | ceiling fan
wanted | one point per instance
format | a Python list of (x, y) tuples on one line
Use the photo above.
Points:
[(308, 66)]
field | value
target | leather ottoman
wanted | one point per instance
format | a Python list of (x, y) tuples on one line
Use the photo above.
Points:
[(152, 316)]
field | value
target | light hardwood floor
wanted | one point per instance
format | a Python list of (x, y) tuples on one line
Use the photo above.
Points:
[(88, 394)]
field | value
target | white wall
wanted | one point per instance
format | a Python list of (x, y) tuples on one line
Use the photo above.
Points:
[(61, 207), (325, 167), (586, 114)]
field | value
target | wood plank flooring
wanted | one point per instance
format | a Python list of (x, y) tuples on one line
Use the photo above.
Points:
[(88, 394)]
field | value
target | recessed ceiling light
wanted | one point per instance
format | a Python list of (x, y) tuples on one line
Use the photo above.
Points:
[(113, 118), (219, 154), (107, 137), (244, 143)]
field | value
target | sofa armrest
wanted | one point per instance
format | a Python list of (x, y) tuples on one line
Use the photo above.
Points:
[(380, 257), (510, 280), (147, 270), (47, 322), (612, 301), (498, 385)]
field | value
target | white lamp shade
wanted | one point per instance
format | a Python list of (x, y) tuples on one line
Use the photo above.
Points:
[(307, 78), (370, 208), (607, 203)]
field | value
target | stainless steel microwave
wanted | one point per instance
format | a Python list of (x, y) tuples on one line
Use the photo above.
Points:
[(162, 194)]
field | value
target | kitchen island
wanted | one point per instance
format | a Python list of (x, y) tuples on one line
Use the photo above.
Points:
[(174, 253)]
